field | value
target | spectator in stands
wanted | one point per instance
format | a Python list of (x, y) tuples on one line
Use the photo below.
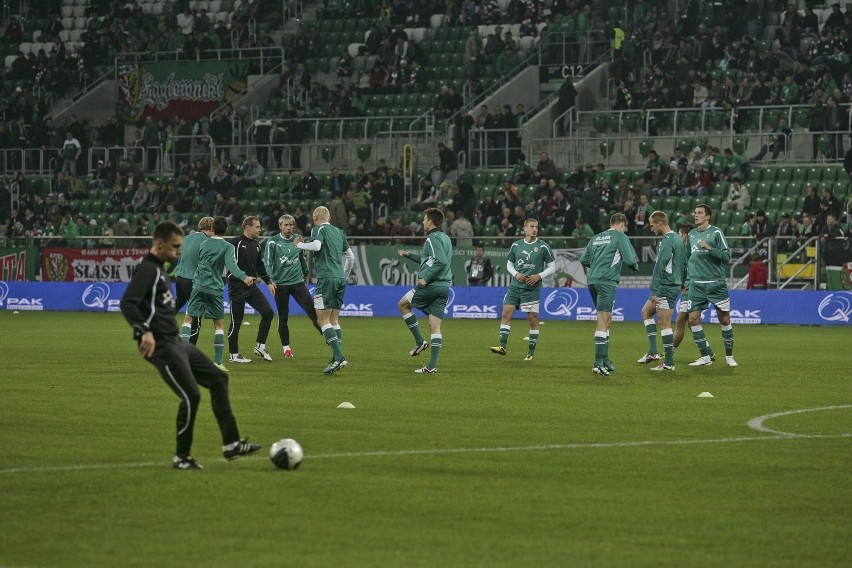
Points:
[(810, 205), (256, 174), (71, 152), (762, 226), (545, 168), (141, 197), (738, 197), (462, 231), (582, 234), (430, 196), (522, 171), (832, 204), (448, 169), (778, 143), (832, 239), (308, 187), (488, 210), (699, 182)]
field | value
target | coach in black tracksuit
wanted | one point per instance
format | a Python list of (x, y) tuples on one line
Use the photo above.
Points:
[(250, 259), (148, 305)]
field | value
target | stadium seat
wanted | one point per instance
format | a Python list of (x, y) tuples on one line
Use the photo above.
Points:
[(784, 174), (779, 189), (801, 174), (755, 173), (770, 174), (791, 203)]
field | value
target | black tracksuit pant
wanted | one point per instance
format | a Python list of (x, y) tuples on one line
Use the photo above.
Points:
[(240, 295), (183, 367), (282, 302)]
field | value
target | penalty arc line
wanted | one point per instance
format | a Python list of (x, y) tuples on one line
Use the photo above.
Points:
[(439, 451), (757, 423)]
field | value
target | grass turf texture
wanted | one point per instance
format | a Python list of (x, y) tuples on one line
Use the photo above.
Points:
[(88, 428)]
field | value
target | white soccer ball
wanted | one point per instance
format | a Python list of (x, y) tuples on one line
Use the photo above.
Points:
[(286, 454)]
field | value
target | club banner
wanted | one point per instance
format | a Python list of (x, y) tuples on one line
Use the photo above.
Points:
[(748, 307), (382, 265), (90, 265), (18, 263), (187, 90)]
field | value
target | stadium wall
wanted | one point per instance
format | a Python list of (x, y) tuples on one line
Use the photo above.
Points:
[(569, 304)]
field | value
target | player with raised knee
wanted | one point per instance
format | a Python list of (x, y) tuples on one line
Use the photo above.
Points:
[(433, 287)]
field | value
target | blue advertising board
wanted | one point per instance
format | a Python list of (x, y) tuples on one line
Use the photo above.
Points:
[(570, 304)]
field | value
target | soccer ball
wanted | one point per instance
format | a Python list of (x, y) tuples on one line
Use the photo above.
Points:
[(286, 454)]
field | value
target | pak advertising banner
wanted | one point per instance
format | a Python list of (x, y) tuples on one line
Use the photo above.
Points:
[(184, 89), (90, 265), (828, 307)]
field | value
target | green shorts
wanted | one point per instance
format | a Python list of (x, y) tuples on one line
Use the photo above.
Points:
[(603, 295), (666, 298), (431, 300), (206, 305), (527, 299), (328, 294), (702, 294)]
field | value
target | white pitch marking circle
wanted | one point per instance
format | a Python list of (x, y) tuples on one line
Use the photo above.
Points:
[(757, 423)]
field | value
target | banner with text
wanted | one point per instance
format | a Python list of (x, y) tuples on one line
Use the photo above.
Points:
[(567, 304), (183, 89), (90, 265), (18, 263)]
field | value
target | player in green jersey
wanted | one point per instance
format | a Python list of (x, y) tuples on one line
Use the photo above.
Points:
[(709, 256), (333, 259), (603, 258), (683, 306), (185, 271), (666, 282), (288, 272), (433, 287), (530, 260), (208, 286)]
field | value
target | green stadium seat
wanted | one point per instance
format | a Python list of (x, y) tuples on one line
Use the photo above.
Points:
[(739, 217), (795, 188), (755, 173), (764, 188), (722, 218), (779, 189), (714, 201), (791, 203), (784, 174), (758, 202), (733, 230), (832, 174), (801, 174), (770, 174)]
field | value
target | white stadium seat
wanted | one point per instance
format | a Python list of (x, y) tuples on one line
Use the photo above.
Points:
[(67, 11), (9, 60), (79, 11), (68, 23), (65, 35)]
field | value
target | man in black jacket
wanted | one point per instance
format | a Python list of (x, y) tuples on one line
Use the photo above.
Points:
[(250, 260), (148, 306)]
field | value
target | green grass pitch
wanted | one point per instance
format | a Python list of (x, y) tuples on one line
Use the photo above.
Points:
[(491, 462)]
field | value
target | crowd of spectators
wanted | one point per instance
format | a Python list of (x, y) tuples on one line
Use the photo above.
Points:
[(724, 64)]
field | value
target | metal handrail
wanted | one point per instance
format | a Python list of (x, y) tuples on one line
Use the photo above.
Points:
[(790, 260), (234, 53), (744, 259)]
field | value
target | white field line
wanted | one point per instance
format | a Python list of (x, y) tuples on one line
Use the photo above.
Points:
[(757, 423), (440, 451)]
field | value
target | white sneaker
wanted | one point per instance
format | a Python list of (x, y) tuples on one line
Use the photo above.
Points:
[(663, 367), (648, 357), (729, 359), (704, 360), (343, 362), (261, 351), (237, 358)]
